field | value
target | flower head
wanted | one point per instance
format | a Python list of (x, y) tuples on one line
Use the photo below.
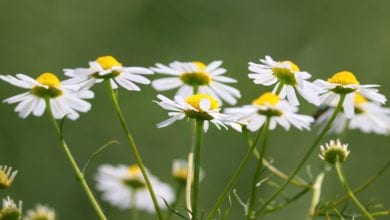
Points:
[(333, 151), (7, 176), (124, 187), (107, 67), (65, 100), (10, 210), (180, 171), (40, 212), (288, 76), (369, 117), (346, 83), (207, 79), (270, 105), (198, 106)]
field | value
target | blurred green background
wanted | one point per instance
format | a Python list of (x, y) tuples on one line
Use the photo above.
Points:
[(322, 37)]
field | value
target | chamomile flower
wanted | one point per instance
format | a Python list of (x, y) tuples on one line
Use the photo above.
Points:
[(40, 212), (270, 105), (180, 171), (107, 67), (10, 210), (345, 83), (124, 187), (207, 79), (333, 151), (369, 117), (199, 106), (65, 100), (7, 176), (288, 76)]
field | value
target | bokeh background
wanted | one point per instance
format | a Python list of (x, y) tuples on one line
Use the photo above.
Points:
[(322, 37)]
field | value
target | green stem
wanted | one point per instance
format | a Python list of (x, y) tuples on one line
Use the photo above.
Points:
[(190, 170), (134, 210), (307, 155), (76, 169), (197, 153), (343, 181), (258, 169), (133, 147), (296, 180), (234, 179), (279, 88), (315, 199), (358, 189)]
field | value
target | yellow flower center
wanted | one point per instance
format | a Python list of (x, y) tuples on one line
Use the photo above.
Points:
[(194, 101), (48, 79), (134, 180), (293, 66), (51, 81), (359, 99), (4, 181), (286, 75), (180, 174), (199, 78), (344, 78), (107, 62), (267, 98), (201, 66), (134, 170)]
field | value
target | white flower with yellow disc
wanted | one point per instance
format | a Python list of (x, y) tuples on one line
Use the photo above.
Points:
[(65, 100), (192, 76), (107, 67), (199, 106), (369, 117), (345, 83), (270, 105), (125, 187), (288, 78), (7, 176), (40, 212)]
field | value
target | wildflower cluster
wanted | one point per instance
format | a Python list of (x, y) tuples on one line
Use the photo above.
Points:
[(202, 91)]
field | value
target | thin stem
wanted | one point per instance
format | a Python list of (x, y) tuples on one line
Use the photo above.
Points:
[(344, 182), (190, 168), (133, 147), (279, 88), (296, 180), (358, 189), (258, 169), (307, 155), (134, 210), (197, 153), (315, 199), (234, 179), (76, 169)]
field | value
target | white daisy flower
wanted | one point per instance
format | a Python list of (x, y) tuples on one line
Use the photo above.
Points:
[(369, 117), (345, 82), (270, 105), (180, 171), (288, 78), (107, 67), (65, 100), (333, 151), (40, 212), (199, 106), (10, 209), (189, 75), (125, 187), (7, 176)]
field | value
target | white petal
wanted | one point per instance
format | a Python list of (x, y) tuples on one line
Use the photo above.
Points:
[(166, 83)]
